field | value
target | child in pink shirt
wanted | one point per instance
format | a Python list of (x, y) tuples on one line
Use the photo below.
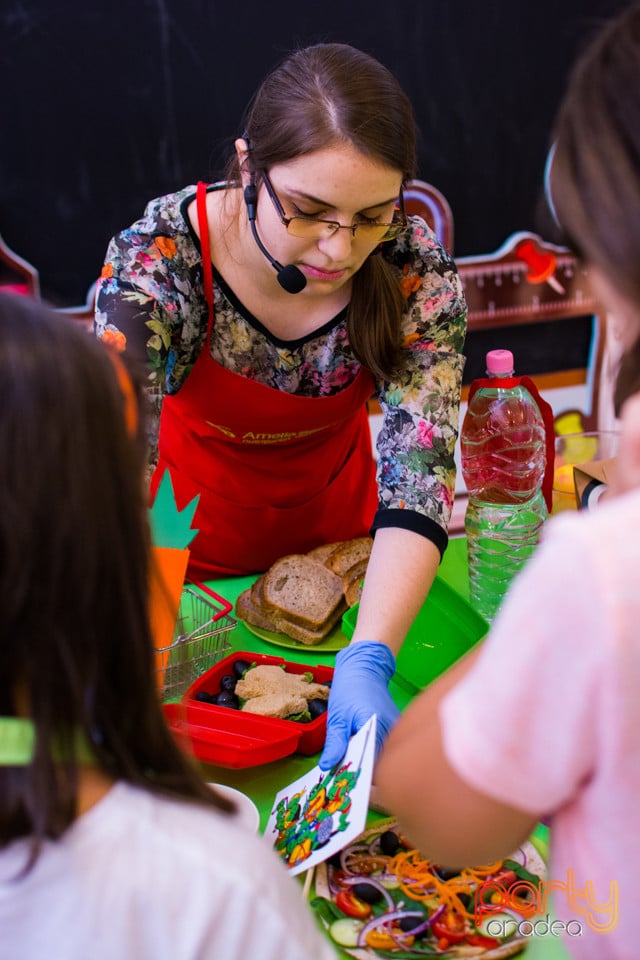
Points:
[(548, 719), (544, 717)]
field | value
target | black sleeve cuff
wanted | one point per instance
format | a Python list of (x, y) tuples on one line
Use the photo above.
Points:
[(416, 522)]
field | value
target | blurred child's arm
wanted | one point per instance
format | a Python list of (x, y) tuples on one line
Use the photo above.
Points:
[(627, 469), (448, 820)]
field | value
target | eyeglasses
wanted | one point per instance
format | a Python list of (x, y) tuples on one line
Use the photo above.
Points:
[(312, 228)]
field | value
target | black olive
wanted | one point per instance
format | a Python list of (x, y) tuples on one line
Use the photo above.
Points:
[(203, 697), (465, 899), (389, 843), (228, 682), (227, 699), (367, 892), (317, 707), (410, 923), (445, 873), (240, 667)]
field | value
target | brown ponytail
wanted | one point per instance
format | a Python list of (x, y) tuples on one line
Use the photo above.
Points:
[(375, 317)]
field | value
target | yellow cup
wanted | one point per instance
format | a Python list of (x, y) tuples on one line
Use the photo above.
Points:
[(576, 448)]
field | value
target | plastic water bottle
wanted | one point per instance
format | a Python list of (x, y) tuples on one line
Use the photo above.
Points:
[(503, 447)]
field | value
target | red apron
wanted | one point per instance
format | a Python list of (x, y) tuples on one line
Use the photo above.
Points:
[(276, 473)]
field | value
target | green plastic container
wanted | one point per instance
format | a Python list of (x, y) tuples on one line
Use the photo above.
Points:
[(444, 630)]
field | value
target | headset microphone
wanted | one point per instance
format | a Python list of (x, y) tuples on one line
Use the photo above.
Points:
[(290, 278)]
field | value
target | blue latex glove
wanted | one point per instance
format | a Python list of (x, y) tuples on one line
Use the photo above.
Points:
[(359, 689)]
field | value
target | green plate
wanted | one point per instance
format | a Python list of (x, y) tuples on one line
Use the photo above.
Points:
[(334, 640), (445, 629)]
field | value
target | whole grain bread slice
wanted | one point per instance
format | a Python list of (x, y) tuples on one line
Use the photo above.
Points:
[(356, 572), (322, 552), (256, 594), (352, 581), (281, 704), (272, 678), (310, 637), (247, 609), (347, 554), (250, 607), (250, 612), (353, 593), (301, 590)]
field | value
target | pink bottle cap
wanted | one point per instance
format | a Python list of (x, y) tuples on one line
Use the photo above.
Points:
[(499, 362)]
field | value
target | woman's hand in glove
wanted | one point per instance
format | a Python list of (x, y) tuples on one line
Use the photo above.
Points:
[(359, 689)]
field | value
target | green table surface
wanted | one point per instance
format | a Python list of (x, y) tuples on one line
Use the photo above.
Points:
[(262, 783)]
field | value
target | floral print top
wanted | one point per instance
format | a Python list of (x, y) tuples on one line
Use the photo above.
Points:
[(150, 301)]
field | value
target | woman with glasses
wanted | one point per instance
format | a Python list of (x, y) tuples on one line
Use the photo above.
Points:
[(269, 308)]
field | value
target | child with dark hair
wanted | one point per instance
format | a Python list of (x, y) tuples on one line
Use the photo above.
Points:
[(544, 718), (111, 844)]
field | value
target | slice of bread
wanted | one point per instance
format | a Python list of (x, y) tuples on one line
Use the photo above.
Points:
[(352, 581), (353, 593), (256, 594), (356, 572), (302, 591), (272, 678), (347, 554), (310, 637), (281, 704), (322, 552), (304, 595), (247, 609), (250, 607)]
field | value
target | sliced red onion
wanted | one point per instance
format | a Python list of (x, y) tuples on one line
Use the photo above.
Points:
[(357, 848), (386, 918), (405, 881), (374, 848), (416, 931), (382, 920), (333, 886)]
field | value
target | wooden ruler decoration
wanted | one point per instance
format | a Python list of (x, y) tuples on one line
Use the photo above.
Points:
[(527, 280)]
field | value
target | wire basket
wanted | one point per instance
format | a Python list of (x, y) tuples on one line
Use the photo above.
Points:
[(200, 639)]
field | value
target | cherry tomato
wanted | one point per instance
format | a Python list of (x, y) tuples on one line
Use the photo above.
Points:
[(338, 877), (506, 877), (450, 926), (350, 905), (478, 940)]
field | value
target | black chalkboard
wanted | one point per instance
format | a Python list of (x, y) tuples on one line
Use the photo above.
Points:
[(107, 105), (538, 348)]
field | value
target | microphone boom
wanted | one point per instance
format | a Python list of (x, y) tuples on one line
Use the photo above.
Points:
[(290, 277)]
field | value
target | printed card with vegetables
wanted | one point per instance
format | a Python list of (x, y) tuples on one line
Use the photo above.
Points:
[(323, 811)]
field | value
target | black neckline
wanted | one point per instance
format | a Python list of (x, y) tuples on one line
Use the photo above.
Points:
[(235, 300)]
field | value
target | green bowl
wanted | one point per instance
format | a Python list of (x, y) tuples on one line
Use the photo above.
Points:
[(445, 629)]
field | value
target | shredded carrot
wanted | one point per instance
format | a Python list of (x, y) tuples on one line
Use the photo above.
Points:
[(417, 880), (481, 873)]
